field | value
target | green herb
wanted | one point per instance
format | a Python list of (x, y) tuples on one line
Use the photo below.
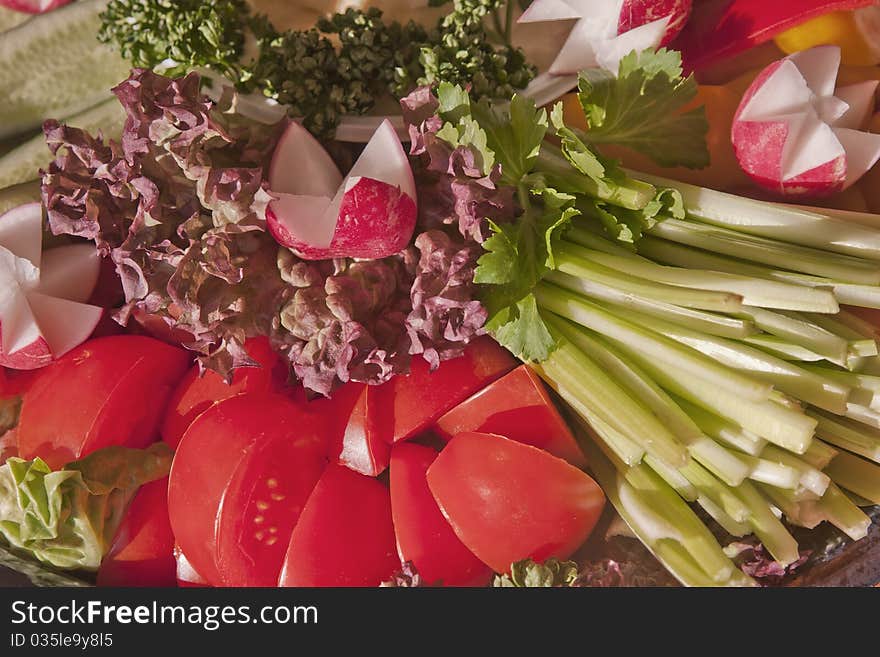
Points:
[(529, 574), (641, 107)]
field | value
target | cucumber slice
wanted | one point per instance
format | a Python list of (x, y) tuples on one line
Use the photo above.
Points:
[(9, 18), (23, 163), (53, 66), (12, 197)]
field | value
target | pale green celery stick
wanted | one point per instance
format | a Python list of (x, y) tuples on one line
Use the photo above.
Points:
[(773, 534), (863, 414), (583, 379), (867, 219), (857, 475), (767, 471), (574, 260), (770, 252), (726, 465), (846, 434), (855, 323), (585, 234), (711, 323), (857, 499), (716, 490), (799, 331), (718, 514), (777, 424), (727, 432), (674, 478), (24, 162), (670, 253), (754, 291), (782, 348), (814, 227), (808, 476), (865, 388), (869, 366), (663, 523), (841, 512), (616, 445), (820, 454), (626, 193), (649, 343), (858, 344), (787, 377), (803, 513), (12, 197)]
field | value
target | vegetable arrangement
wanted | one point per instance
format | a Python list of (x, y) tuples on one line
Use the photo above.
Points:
[(714, 356)]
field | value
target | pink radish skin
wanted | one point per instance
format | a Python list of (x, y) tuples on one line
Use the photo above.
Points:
[(760, 145), (634, 13), (33, 6), (375, 220)]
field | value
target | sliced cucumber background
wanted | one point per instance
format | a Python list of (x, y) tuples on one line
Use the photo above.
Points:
[(24, 162), (52, 66)]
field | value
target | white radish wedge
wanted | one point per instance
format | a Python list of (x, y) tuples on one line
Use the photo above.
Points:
[(798, 137), (33, 6), (41, 311), (607, 30), (371, 214)]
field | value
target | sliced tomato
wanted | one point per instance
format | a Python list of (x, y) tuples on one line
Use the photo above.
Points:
[(516, 406), (407, 405), (229, 464), (345, 535), (361, 446), (187, 577), (508, 501), (142, 552), (197, 392), (424, 537), (108, 391)]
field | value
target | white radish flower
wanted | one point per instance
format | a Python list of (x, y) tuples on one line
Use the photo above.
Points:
[(798, 137), (42, 295), (608, 30)]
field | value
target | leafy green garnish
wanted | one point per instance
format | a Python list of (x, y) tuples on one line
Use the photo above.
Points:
[(641, 108), (67, 518), (529, 574)]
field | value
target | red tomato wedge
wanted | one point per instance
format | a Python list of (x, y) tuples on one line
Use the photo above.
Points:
[(108, 391), (507, 501), (197, 392), (424, 537), (362, 447), (718, 29), (516, 406), (187, 577), (222, 468), (407, 405), (142, 552), (345, 535)]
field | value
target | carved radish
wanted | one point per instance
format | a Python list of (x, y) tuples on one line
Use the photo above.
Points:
[(33, 6), (42, 295), (371, 213), (607, 30), (794, 135)]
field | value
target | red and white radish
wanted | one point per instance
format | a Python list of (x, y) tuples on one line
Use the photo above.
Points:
[(370, 214), (794, 135), (33, 6), (42, 295), (607, 30)]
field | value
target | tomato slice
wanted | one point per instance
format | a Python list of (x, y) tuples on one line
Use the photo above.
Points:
[(345, 535), (362, 447), (407, 405), (516, 406), (142, 552), (266, 494), (108, 391), (187, 577), (197, 392), (424, 537), (245, 466), (508, 501)]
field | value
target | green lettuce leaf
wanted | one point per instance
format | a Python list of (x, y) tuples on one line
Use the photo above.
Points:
[(641, 108), (67, 518)]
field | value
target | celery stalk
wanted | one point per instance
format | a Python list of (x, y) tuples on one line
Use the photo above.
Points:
[(718, 514), (857, 475), (716, 490), (846, 434), (841, 512), (773, 534), (806, 475), (820, 454), (724, 431)]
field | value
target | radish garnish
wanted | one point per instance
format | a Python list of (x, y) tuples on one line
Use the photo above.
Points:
[(33, 6), (608, 30), (795, 136), (41, 312), (318, 215)]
